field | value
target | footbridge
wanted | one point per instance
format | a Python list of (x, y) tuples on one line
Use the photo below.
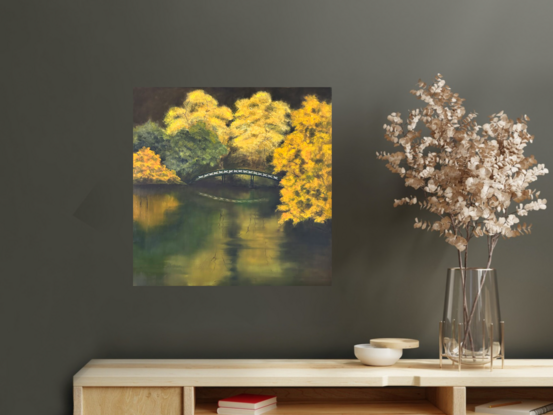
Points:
[(247, 172)]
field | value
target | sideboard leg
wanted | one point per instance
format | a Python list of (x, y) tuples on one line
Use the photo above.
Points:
[(189, 400), (451, 400), (77, 400)]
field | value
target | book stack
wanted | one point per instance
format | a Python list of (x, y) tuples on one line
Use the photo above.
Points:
[(515, 407), (247, 404)]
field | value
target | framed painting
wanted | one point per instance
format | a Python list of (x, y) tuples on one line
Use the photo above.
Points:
[(232, 186)]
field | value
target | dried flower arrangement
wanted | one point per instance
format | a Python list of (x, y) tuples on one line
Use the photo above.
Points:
[(475, 178)]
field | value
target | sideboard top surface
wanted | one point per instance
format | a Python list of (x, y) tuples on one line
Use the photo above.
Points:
[(305, 373)]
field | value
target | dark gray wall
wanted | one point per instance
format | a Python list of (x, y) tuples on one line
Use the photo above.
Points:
[(68, 69)]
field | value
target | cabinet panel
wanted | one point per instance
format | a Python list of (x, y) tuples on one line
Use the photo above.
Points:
[(132, 401), (450, 400)]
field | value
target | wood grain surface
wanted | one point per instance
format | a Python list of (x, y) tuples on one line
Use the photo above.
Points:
[(132, 401), (450, 400), (305, 373), (77, 400), (392, 343)]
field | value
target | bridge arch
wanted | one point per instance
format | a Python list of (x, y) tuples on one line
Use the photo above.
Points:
[(248, 172)]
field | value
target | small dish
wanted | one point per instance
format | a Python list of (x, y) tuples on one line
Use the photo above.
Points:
[(376, 356), (395, 343)]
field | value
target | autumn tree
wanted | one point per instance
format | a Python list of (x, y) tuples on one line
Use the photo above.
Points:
[(259, 127), (147, 169), (191, 152), (199, 107), (306, 157)]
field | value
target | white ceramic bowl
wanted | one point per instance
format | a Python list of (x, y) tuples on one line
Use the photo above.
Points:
[(376, 356)]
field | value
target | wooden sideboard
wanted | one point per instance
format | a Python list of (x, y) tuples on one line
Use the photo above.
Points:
[(177, 387)]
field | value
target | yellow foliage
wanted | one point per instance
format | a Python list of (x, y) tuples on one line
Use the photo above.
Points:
[(150, 210), (259, 126), (147, 169), (199, 106), (306, 157)]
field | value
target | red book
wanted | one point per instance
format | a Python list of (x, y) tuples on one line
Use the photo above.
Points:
[(247, 401)]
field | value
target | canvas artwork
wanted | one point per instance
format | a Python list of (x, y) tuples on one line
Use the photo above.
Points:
[(232, 186)]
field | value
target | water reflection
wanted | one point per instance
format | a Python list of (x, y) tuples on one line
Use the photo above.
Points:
[(149, 209), (217, 235)]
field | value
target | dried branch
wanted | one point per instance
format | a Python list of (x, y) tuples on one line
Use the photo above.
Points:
[(469, 174)]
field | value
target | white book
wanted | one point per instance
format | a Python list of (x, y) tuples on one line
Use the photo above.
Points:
[(238, 411), (515, 407)]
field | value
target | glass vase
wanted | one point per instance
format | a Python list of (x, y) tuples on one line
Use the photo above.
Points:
[(471, 332)]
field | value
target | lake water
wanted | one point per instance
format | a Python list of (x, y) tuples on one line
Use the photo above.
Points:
[(220, 234)]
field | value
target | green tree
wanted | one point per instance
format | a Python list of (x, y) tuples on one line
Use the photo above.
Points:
[(194, 151), (149, 135)]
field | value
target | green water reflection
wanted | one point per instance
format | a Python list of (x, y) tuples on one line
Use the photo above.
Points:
[(223, 235)]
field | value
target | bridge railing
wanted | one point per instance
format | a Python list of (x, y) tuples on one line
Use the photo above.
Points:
[(237, 171)]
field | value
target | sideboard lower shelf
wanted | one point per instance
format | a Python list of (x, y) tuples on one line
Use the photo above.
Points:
[(176, 387), (327, 408)]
